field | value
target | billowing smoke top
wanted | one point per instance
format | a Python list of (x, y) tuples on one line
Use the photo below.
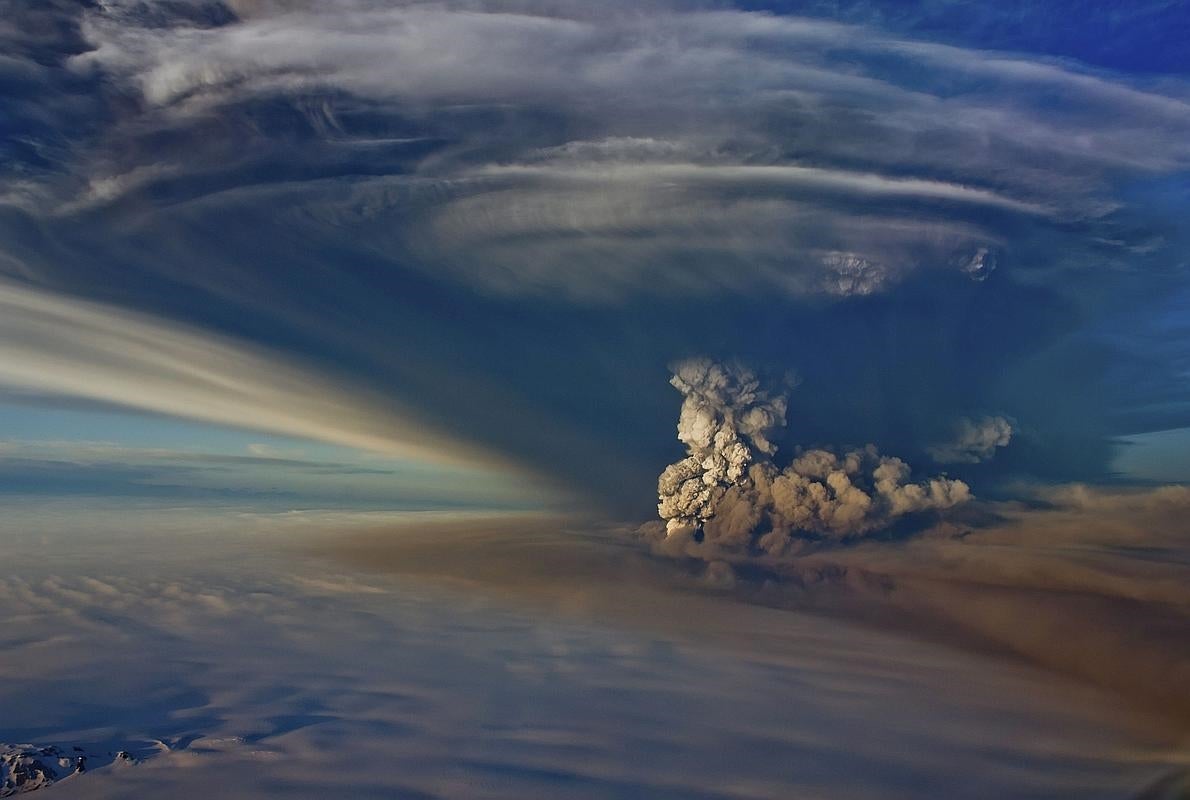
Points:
[(725, 401), (726, 419), (728, 495)]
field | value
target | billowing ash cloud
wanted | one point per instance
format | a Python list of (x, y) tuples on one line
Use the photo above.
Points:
[(725, 423), (729, 495), (975, 440)]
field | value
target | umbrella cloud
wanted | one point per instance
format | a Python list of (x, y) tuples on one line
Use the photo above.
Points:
[(729, 496), (645, 149)]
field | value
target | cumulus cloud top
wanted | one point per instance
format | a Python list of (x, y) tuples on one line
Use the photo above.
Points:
[(725, 420)]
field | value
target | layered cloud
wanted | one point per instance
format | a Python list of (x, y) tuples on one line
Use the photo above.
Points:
[(253, 667), (542, 148)]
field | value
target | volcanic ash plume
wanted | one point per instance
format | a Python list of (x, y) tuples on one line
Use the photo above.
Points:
[(728, 495), (725, 423)]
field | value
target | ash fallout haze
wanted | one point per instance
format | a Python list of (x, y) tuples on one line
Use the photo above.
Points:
[(342, 347)]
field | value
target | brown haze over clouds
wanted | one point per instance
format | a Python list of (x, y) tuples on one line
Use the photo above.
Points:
[(1093, 584), (1096, 586), (458, 655)]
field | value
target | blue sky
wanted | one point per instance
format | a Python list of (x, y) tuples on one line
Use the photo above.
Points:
[(57, 453), (465, 241)]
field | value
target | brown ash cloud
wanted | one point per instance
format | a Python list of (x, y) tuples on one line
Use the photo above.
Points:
[(730, 496)]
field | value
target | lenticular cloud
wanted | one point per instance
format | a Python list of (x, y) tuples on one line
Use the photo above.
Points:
[(729, 495)]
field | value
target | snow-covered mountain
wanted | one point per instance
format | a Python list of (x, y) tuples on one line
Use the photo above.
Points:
[(27, 767)]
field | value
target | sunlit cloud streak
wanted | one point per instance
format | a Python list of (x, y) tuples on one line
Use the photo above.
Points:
[(52, 344)]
